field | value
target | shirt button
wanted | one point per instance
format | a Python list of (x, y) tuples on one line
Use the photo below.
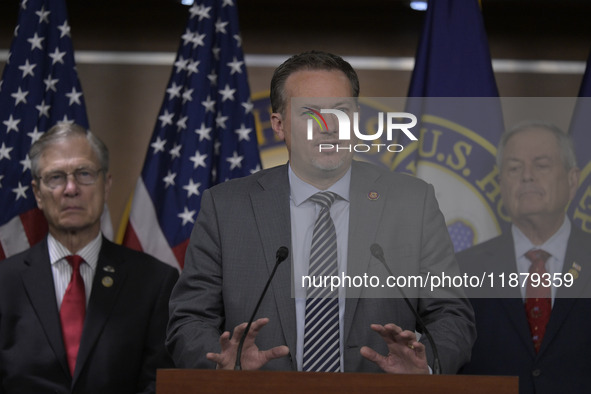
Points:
[(536, 372)]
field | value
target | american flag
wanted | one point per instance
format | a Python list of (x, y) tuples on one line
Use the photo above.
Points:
[(39, 88), (205, 133)]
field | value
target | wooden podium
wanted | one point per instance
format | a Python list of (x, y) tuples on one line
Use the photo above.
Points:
[(188, 381)]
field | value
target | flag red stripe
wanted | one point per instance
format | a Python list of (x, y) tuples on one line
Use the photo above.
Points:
[(130, 239), (179, 252), (35, 225)]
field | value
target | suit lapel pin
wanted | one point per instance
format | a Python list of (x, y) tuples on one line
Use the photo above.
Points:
[(574, 271), (108, 268), (107, 281), (373, 196)]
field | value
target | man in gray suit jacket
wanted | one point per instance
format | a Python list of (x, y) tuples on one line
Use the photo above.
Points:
[(243, 222), (546, 347)]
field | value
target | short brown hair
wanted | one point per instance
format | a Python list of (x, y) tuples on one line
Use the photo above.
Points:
[(312, 60)]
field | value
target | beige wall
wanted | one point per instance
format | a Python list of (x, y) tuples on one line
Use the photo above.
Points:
[(123, 102)]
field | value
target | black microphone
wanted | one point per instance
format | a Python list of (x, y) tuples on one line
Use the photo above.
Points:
[(281, 255), (378, 253)]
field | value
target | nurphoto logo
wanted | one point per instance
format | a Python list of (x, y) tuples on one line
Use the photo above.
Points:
[(402, 121)]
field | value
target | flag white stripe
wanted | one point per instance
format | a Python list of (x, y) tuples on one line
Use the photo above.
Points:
[(145, 224), (13, 237)]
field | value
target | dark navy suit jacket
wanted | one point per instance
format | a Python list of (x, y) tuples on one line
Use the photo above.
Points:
[(123, 338), (504, 345)]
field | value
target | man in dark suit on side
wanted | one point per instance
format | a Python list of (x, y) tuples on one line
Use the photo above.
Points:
[(539, 333), (79, 314), (243, 222)]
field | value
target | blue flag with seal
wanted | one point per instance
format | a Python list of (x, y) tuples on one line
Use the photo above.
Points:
[(579, 210), (454, 95)]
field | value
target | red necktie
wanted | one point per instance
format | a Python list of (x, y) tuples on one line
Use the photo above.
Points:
[(72, 311), (538, 299)]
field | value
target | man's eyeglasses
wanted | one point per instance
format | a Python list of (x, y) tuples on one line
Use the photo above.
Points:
[(82, 176)]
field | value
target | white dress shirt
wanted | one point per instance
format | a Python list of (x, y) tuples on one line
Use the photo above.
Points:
[(62, 270), (556, 246)]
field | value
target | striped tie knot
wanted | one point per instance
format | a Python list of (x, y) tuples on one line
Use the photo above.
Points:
[(324, 199)]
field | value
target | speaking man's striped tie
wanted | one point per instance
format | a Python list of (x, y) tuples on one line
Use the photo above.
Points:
[(321, 330)]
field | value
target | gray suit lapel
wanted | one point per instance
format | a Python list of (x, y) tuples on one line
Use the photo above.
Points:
[(38, 282), (271, 209), (365, 214)]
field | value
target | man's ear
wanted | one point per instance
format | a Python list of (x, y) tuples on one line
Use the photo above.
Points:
[(108, 183), (37, 193), (277, 125)]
